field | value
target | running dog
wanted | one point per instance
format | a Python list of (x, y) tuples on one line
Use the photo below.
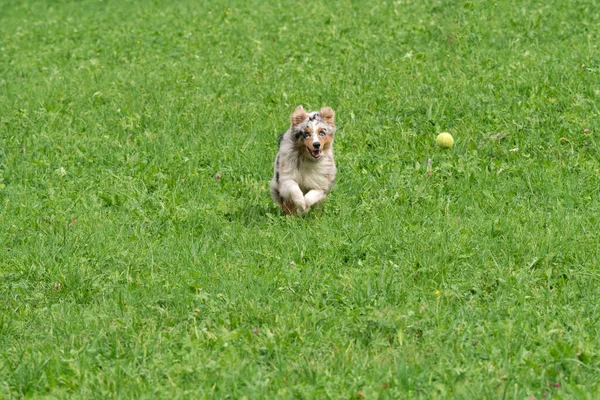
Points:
[(304, 166)]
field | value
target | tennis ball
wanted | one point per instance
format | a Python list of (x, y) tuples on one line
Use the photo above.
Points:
[(445, 140)]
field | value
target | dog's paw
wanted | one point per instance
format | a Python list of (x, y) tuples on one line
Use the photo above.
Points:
[(294, 208), (314, 197), (303, 209)]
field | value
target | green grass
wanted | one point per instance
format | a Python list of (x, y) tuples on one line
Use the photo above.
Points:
[(129, 271)]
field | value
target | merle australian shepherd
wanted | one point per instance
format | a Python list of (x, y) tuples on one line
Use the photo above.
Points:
[(304, 166)]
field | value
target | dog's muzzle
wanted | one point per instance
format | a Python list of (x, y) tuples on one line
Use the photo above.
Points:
[(316, 152)]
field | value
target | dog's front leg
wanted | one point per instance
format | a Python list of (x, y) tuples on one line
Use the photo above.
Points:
[(291, 191), (314, 197)]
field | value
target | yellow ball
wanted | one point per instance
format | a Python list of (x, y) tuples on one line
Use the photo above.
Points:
[(445, 140)]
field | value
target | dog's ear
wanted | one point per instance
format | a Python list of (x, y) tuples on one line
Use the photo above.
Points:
[(328, 115), (298, 116)]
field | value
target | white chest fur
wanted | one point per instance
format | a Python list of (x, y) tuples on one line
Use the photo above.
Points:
[(317, 174)]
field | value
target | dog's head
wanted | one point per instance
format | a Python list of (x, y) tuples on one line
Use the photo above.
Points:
[(313, 131)]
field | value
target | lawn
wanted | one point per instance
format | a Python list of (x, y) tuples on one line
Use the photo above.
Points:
[(141, 255)]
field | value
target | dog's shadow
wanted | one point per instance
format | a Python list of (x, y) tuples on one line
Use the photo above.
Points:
[(256, 213)]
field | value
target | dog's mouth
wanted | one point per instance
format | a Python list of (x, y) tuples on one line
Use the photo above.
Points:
[(316, 153)]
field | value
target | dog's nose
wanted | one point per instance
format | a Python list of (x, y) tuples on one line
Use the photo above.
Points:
[(316, 145)]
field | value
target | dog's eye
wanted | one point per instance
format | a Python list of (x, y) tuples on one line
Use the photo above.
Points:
[(306, 135), (322, 133)]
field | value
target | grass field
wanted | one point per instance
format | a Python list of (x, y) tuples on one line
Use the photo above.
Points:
[(129, 270)]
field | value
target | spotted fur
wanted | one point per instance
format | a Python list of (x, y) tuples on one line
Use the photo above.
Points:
[(304, 166)]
